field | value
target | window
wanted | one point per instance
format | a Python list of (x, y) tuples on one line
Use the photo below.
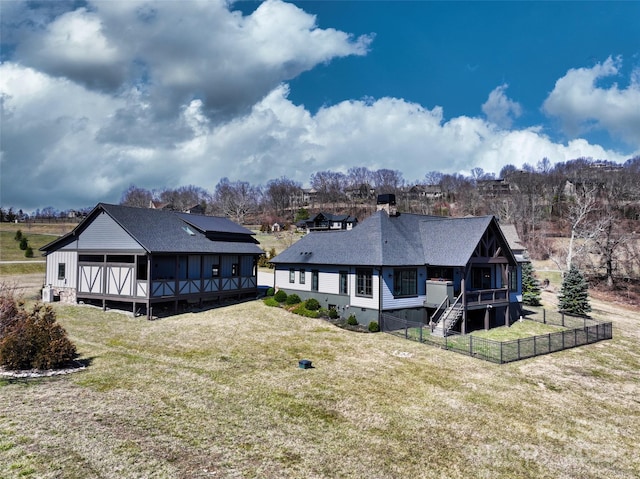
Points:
[(405, 282), (292, 275), (344, 282), (513, 281), (481, 278), (302, 272), (440, 272), (364, 282), (314, 280), (215, 270), (61, 270), (142, 269)]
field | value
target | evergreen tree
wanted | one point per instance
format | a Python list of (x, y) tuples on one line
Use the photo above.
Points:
[(574, 297), (530, 286)]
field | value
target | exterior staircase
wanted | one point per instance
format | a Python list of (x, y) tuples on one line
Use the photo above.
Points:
[(447, 320)]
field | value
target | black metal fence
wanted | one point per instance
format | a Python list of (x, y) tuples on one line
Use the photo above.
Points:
[(580, 331)]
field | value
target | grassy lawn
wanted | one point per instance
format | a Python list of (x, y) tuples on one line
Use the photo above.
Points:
[(10, 248), (518, 330), (219, 394)]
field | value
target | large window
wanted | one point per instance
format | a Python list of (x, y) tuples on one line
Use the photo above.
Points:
[(315, 280), (344, 282), (405, 282), (292, 275), (364, 282), (481, 278), (302, 279)]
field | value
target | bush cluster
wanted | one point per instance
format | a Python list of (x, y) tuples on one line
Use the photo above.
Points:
[(352, 321), (312, 304), (280, 296), (270, 292), (293, 299), (303, 311), (333, 313), (374, 327), (32, 339)]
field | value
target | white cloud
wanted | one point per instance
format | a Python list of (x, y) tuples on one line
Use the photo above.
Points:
[(581, 105), (500, 109), (200, 93), (173, 54)]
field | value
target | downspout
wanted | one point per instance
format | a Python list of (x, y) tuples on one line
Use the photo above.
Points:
[(380, 297)]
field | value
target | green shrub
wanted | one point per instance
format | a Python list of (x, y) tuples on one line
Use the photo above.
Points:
[(270, 292), (270, 301), (35, 340), (18, 236), (352, 321), (373, 327), (293, 299), (302, 311), (312, 304), (24, 243), (333, 313), (28, 253), (280, 296)]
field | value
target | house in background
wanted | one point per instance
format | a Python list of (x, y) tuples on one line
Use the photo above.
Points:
[(151, 257), (327, 221), (453, 273)]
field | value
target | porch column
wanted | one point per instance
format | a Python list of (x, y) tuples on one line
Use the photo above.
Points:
[(486, 318), (463, 328)]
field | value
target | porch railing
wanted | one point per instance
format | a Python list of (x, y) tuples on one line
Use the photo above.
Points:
[(487, 296)]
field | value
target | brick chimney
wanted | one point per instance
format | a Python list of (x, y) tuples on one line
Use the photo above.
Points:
[(387, 203)]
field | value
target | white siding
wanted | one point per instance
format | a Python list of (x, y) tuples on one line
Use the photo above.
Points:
[(362, 301), (70, 260), (388, 300)]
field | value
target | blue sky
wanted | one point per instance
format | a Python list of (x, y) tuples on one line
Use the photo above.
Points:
[(100, 95)]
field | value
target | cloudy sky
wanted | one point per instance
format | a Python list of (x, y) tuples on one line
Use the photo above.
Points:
[(99, 95)]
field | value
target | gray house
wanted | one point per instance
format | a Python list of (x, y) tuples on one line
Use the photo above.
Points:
[(452, 273), (147, 257)]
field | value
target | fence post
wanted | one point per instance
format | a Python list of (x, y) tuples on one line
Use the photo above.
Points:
[(420, 333), (518, 349), (562, 315), (544, 316), (470, 345), (549, 342), (501, 359), (535, 352)]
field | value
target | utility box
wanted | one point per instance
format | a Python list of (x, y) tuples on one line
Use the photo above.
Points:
[(47, 294), (437, 291), (304, 364)]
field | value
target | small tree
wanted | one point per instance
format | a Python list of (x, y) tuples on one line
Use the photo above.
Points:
[(28, 253), (574, 296), (530, 286), (32, 339), (18, 236), (24, 243)]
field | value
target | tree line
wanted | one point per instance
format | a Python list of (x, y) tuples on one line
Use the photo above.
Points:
[(593, 205)]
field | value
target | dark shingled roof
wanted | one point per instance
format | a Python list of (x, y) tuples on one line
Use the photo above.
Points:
[(162, 231), (402, 240)]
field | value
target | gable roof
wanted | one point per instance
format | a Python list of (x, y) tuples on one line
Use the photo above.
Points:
[(403, 240), (162, 231)]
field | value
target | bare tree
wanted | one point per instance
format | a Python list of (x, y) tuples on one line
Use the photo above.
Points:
[(329, 185), (279, 193), (236, 199), (137, 197), (387, 181), (185, 197)]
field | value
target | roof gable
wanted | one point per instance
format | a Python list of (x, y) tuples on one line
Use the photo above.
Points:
[(402, 240), (162, 231)]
